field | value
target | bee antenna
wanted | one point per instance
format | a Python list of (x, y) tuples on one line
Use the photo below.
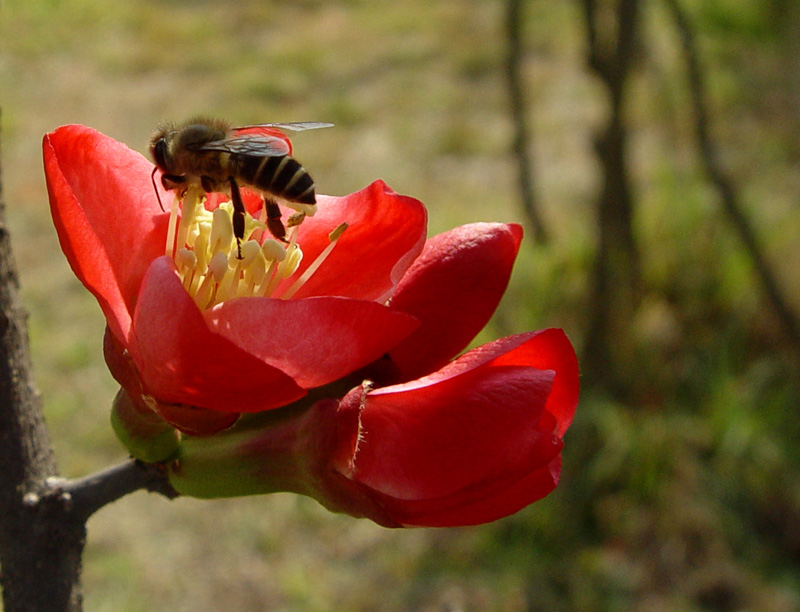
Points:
[(153, 180)]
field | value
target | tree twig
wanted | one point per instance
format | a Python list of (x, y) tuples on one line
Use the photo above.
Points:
[(521, 144), (724, 183), (87, 495), (615, 282)]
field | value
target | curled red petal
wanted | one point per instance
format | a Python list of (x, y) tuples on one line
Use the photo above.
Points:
[(547, 349), (181, 361), (314, 340), (504, 498), (453, 288), (459, 434), (550, 349), (477, 440), (120, 364), (106, 214), (386, 233)]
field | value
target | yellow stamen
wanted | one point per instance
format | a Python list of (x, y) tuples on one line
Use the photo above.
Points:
[(218, 266), (173, 221), (186, 262), (202, 297), (273, 250), (333, 237), (270, 281), (289, 265), (225, 286), (221, 231), (206, 253), (190, 201)]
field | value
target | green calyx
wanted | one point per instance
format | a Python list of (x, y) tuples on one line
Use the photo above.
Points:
[(147, 436)]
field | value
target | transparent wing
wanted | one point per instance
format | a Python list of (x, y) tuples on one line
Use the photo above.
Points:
[(261, 145), (297, 127)]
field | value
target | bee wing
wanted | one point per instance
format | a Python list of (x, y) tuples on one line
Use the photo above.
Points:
[(295, 126), (261, 145)]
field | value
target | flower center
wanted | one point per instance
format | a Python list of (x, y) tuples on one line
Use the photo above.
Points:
[(210, 264)]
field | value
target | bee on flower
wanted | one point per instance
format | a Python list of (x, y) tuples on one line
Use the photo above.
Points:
[(337, 373)]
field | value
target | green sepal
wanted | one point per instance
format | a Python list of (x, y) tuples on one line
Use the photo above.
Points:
[(145, 434), (254, 457)]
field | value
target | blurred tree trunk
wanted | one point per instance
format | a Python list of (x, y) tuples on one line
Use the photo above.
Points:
[(609, 351), (521, 144)]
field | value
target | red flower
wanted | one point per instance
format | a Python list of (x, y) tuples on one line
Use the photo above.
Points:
[(366, 325), (243, 355)]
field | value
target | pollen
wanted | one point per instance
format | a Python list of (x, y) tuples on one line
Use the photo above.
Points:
[(214, 267)]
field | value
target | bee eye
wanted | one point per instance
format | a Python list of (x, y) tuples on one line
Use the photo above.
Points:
[(160, 154)]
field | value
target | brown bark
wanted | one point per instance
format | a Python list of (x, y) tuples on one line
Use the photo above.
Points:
[(40, 548), (42, 517)]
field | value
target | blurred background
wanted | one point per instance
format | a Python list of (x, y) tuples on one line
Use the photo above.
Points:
[(651, 148)]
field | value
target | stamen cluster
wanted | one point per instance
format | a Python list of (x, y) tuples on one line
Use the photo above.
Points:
[(214, 268)]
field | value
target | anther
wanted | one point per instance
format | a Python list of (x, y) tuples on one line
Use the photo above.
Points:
[(221, 231), (273, 250)]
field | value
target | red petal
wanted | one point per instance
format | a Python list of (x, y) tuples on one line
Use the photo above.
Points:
[(107, 217), (386, 233), (548, 349), (454, 288), (473, 442), (196, 421), (314, 340), (253, 202), (463, 432), (181, 361), (494, 502), (121, 365)]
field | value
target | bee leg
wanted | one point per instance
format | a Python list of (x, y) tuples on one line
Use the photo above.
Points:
[(238, 215), (274, 223)]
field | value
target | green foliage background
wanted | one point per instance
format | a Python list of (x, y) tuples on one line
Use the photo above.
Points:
[(684, 496)]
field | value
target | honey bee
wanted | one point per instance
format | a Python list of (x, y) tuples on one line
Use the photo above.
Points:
[(220, 157)]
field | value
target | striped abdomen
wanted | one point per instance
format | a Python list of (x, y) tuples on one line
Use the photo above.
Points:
[(282, 176)]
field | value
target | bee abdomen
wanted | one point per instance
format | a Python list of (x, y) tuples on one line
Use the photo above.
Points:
[(282, 176)]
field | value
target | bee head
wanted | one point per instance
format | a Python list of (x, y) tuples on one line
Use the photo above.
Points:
[(158, 150), (159, 147)]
